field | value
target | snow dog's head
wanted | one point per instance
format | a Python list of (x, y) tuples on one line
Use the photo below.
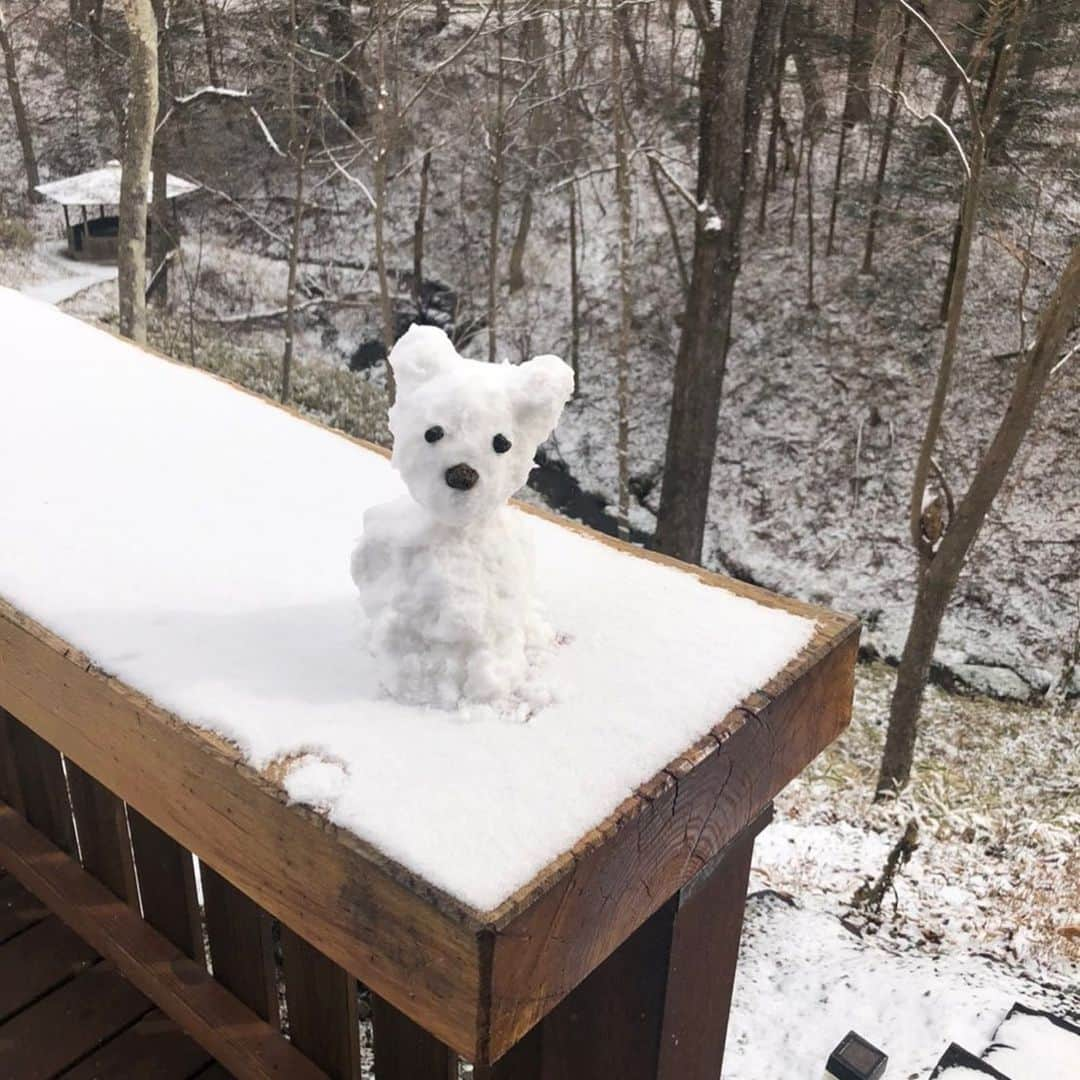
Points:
[(465, 431)]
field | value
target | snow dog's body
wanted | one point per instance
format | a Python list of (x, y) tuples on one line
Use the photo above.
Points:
[(445, 574)]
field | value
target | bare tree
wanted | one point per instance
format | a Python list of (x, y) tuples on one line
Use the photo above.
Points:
[(384, 123), (886, 142), (941, 561), (626, 296), (864, 24), (942, 542), (496, 136), (18, 107), (731, 87), (798, 37), (162, 240), (138, 148), (1041, 34)]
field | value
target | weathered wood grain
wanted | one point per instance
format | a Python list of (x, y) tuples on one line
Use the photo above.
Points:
[(657, 1007), (42, 1041), (42, 957), (38, 778), (393, 932), (154, 1048), (241, 945), (166, 872), (153, 966), (701, 963), (657, 844), (404, 1050), (323, 1008), (103, 834)]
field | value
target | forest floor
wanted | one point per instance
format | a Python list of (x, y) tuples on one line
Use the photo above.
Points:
[(820, 421)]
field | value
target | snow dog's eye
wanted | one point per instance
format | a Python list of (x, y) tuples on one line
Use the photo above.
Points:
[(434, 434), (500, 444)]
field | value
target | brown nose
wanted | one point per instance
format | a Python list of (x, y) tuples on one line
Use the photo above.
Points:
[(461, 477)]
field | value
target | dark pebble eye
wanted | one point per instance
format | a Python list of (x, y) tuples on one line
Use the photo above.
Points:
[(434, 434), (500, 444)]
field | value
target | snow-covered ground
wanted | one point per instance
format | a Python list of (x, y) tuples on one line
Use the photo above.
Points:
[(62, 279), (804, 982)]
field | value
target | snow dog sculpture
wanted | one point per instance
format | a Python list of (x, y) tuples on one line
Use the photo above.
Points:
[(446, 573)]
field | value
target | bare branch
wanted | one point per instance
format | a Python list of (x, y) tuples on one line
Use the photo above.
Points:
[(909, 108), (446, 62), (679, 187), (266, 133)]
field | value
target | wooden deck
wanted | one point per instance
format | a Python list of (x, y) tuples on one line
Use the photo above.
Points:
[(65, 1012)]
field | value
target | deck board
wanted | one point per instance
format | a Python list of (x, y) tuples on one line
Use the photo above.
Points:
[(18, 908), (154, 1047), (66, 1012), (37, 960), (72, 1021)]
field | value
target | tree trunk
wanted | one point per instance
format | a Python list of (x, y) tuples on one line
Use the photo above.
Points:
[(22, 122), (931, 600), (348, 86), (418, 231), (864, 24), (1042, 31), (162, 240), (799, 30), (537, 130), (138, 148), (969, 33), (575, 292), (626, 301), (811, 303), (208, 42), (837, 178), (940, 570), (731, 80), (768, 180), (299, 169), (496, 135), (942, 558), (886, 143), (521, 239), (298, 155), (382, 153)]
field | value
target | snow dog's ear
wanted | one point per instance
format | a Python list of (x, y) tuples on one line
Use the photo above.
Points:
[(420, 354), (541, 387)]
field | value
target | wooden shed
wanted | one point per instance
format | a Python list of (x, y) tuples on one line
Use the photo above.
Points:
[(96, 238)]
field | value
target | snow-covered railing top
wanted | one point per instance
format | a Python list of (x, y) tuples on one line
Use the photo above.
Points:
[(101, 187), (176, 615)]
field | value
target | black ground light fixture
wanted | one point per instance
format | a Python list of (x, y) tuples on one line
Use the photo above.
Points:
[(856, 1059)]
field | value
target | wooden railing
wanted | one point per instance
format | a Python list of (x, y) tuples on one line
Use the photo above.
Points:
[(107, 796), (616, 960)]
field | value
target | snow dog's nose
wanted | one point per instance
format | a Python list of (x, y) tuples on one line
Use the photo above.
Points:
[(461, 477)]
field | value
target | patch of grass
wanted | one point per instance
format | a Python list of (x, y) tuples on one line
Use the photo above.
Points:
[(15, 235), (332, 396)]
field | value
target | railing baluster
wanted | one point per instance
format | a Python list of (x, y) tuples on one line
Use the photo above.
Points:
[(323, 1006), (241, 945), (166, 873), (38, 776), (103, 834), (404, 1050)]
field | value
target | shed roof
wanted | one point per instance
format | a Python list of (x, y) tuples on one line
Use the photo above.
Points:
[(101, 187)]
